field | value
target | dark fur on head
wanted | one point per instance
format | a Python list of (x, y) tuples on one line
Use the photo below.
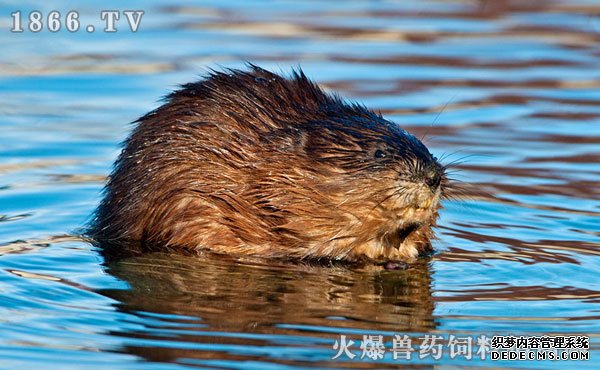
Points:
[(252, 163)]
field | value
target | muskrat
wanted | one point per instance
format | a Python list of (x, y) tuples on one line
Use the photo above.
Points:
[(251, 163)]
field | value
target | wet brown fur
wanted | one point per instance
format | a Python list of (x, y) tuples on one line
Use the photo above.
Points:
[(252, 163)]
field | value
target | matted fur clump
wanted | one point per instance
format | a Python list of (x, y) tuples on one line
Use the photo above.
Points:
[(253, 163)]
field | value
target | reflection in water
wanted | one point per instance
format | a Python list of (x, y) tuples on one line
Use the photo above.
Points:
[(221, 296)]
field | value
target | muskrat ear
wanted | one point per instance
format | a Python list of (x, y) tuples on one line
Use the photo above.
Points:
[(286, 140)]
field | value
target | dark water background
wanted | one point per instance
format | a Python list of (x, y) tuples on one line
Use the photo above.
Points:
[(510, 87)]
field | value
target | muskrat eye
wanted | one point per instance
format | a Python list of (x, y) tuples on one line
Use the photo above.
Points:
[(380, 154)]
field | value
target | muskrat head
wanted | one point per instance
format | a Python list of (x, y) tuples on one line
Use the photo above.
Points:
[(377, 187)]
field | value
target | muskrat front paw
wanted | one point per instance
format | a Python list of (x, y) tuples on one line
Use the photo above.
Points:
[(396, 265)]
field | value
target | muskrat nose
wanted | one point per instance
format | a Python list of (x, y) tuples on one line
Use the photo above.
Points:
[(433, 177)]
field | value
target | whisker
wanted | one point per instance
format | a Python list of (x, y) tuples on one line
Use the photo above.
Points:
[(436, 117)]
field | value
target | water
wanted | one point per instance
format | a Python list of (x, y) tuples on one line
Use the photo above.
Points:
[(509, 88)]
